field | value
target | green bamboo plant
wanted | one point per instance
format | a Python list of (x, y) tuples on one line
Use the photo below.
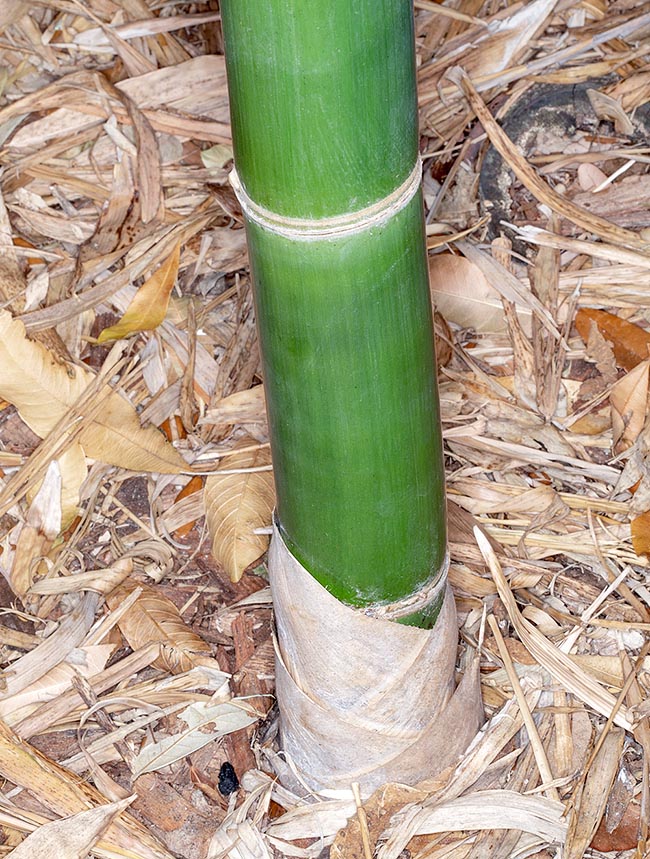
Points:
[(324, 121)]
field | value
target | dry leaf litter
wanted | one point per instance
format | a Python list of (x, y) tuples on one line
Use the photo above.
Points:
[(136, 495)]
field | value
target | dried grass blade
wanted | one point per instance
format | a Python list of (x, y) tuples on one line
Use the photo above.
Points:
[(148, 168), (53, 711), (489, 742), (507, 285), (593, 800), (488, 809), (54, 649), (531, 727), (63, 793), (600, 250), (558, 664)]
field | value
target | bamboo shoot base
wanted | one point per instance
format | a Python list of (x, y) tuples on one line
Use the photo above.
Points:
[(363, 699)]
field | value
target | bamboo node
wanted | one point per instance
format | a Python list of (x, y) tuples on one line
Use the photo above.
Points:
[(311, 229), (430, 594)]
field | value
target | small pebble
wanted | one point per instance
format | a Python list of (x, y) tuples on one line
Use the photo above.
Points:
[(228, 781)]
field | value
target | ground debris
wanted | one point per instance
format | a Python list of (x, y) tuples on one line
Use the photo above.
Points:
[(134, 663)]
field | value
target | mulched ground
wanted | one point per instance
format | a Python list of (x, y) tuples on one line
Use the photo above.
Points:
[(115, 151)]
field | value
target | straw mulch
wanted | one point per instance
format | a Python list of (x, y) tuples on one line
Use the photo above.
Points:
[(137, 654)]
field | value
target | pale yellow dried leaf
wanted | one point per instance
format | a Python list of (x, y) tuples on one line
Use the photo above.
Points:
[(42, 524), (153, 617), (237, 504), (498, 47), (148, 308), (73, 468), (206, 722), (72, 837), (629, 401), (242, 407), (43, 389), (87, 661), (74, 471), (216, 156)]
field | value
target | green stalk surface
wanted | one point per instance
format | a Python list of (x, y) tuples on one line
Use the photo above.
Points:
[(324, 118)]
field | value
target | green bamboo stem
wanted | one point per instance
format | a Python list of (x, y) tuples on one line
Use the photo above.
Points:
[(324, 118)]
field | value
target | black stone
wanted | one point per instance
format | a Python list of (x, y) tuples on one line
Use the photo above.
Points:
[(228, 781)]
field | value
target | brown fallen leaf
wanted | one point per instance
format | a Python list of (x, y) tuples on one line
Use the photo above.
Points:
[(640, 528), (630, 342), (43, 390), (629, 401), (624, 837), (462, 294), (236, 504), (153, 617), (149, 306), (373, 816)]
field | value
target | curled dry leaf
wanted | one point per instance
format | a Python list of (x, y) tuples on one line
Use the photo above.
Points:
[(43, 389), (153, 617), (629, 401), (149, 306), (72, 837), (237, 504), (103, 581), (194, 485), (607, 107), (630, 342)]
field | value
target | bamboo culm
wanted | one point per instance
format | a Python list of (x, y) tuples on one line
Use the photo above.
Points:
[(324, 118)]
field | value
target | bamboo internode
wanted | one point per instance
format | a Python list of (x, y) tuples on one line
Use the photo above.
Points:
[(325, 136)]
